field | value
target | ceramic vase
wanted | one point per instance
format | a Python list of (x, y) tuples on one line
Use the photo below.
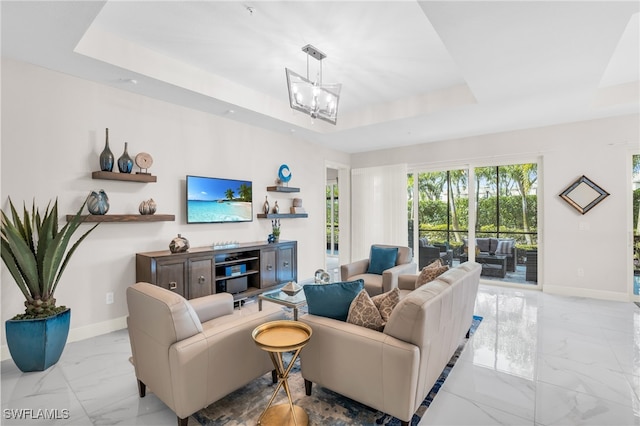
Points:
[(265, 206), (125, 163), (179, 244), (276, 208), (147, 207), (106, 156), (98, 202)]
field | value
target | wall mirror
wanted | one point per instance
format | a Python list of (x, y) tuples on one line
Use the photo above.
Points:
[(583, 194)]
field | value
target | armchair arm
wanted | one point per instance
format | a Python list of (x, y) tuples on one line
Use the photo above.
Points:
[(407, 282), (355, 268), (213, 306), (390, 276)]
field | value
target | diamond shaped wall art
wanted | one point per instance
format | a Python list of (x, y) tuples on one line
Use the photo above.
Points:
[(583, 194)]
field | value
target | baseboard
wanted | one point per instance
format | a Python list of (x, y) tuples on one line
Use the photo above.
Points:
[(583, 292), (81, 333)]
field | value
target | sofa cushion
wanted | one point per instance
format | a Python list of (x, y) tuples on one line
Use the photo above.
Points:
[(332, 300), (505, 247), (363, 312), (385, 302), (381, 259), (431, 272)]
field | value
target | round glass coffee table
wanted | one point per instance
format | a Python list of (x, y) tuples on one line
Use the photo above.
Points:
[(277, 337)]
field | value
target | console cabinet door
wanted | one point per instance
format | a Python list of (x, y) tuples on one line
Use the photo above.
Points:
[(171, 274), (286, 264), (268, 268), (201, 277)]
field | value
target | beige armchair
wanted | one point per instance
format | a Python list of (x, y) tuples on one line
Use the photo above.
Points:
[(388, 279), (192, 353)]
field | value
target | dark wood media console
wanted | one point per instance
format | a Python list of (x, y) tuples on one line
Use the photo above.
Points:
[(246, 270)]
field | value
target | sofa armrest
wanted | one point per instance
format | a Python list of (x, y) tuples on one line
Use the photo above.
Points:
[(390, 276), (407, 282), (356, 268), (213, 306)]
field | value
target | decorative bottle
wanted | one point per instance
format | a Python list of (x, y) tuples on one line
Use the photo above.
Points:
[(125, 163), (106, 157), (276, 208), (265, 206)]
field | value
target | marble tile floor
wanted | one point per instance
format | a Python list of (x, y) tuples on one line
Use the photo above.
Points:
[(536, 359)]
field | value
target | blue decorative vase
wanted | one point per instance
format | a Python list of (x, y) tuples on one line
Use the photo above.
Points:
[(106, 157), (98, 202), (37, 344), (125, 163)]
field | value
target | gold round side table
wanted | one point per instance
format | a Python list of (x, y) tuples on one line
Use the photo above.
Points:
[(277, 337)]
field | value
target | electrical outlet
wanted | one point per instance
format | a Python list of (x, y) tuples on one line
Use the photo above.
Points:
[(109, 298)]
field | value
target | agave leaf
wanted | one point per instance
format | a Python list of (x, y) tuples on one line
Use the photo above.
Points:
[(68, 256), (24, 257), (28, 222), (13, 268), (17, 221), (55, 252), (46, 243)]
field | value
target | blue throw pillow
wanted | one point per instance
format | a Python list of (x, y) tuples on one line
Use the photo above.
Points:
[(381, 259), (332, 300)]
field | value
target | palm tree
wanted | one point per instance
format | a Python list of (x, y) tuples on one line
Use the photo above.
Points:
[(524, 176), (245, 192), (457, 182), (229, 194)]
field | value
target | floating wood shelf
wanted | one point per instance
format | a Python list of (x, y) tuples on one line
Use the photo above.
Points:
[(127, 177), (282, 189), (281, 215), (126, 218)]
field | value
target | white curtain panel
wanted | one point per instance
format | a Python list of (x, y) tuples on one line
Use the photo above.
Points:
[(378, 208)]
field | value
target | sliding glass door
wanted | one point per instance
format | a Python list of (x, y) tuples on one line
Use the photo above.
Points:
[(441, 202), (505, 212), (635, 164)]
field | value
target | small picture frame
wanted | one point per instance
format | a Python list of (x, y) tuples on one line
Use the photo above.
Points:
[(583, 194)]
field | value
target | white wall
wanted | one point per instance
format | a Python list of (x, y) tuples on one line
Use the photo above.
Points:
[(53, 129), (599, 149)]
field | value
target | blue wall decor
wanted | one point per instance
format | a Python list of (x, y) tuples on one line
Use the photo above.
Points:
[(284, 174)]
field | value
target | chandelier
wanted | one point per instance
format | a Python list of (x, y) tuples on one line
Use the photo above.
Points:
[(312, 97)]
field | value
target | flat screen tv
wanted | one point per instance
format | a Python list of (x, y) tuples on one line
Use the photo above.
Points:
[(215, 200)]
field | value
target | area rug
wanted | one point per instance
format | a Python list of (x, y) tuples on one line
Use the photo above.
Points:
[(324, 407)]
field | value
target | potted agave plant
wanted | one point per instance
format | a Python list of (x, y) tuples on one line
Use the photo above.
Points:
[(36, 254)]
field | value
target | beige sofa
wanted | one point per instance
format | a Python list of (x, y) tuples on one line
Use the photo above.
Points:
[(374, 283), (192, 353), (394, 370)]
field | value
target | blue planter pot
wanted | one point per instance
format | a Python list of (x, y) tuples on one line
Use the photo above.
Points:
[(36, 344)]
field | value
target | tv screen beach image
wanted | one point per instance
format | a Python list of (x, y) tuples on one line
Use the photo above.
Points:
[(211, 200)]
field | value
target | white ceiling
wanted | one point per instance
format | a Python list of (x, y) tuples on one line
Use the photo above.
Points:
[(411, 72)]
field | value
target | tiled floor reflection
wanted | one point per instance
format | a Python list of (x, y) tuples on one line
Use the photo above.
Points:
[(536, 359), (539, 359)]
